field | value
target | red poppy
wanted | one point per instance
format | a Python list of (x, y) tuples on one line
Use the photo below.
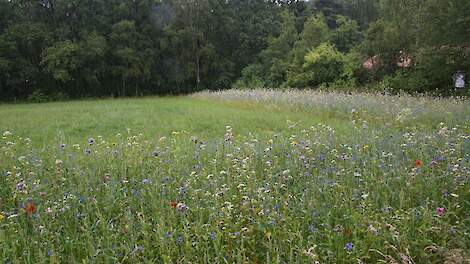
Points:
[(418, 163), (174, 204), (30, 208)]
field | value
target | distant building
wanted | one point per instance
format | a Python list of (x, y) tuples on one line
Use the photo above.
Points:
[(404, 61), (372, 63)]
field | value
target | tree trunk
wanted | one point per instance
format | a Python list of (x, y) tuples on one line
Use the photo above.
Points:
[(198, 70)]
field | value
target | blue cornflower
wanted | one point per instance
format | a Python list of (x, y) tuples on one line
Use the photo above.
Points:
[(183, 190), (167, 234), (315, 213), (20, 186), (212, 235), (349, 246), (146, 181), (312, 228), (179, 240)]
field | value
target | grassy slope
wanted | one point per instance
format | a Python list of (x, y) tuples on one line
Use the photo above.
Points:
[(73, 122)]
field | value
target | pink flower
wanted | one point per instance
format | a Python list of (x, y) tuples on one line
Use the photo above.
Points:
[(440, 211)]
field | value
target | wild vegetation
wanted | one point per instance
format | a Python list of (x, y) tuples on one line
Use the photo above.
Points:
[(343, 140), (59, 49), (237, 177)]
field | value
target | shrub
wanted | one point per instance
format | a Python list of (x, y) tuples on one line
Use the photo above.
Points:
[(38, 96), (251, 78), (323, 64)]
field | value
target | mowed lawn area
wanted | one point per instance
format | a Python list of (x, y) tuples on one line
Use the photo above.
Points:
[(255, 176), (76, 121)]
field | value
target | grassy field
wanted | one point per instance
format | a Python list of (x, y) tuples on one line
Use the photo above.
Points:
[(75, 122), (236, 177)]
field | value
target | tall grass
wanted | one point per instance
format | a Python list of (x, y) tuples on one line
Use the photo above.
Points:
[(306, 194), (403, 106)]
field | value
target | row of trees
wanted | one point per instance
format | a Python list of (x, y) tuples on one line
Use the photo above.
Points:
[(76, 48), (410, 45), (128, 47)]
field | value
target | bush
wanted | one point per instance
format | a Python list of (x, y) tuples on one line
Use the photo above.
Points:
[(251, 78), (37, 97), (322, 65)]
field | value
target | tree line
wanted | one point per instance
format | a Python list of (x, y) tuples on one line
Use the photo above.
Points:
[(56, 49)]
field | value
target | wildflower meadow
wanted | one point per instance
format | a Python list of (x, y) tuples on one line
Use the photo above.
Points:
[(280, 177)]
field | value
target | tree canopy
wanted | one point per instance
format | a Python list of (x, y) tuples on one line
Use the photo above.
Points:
[(71, 48)]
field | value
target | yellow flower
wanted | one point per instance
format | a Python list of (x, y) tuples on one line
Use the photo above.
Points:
[(2, 217)]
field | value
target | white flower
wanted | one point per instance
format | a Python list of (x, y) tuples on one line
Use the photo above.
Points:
[(182, 207)]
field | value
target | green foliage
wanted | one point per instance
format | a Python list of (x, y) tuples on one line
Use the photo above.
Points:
[(62, 60), (315, 32), (120, 47), (274, 56), (273, 66), (251, 77), (37, 97), (21, 46), (353, 65), (322, 64), (346, 35)]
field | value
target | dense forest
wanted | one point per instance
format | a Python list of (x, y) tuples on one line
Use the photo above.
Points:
[(57, 49)]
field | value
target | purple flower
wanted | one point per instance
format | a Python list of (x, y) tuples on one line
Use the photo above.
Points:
[(20, 186), (146, 181), (179, 240), (168, 234), (236, 234), (453, 230), (315, 213), (137, 249), (349, 246), (212, 236), (440, 211), (312, 228), (387, 209), (183, 190)]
